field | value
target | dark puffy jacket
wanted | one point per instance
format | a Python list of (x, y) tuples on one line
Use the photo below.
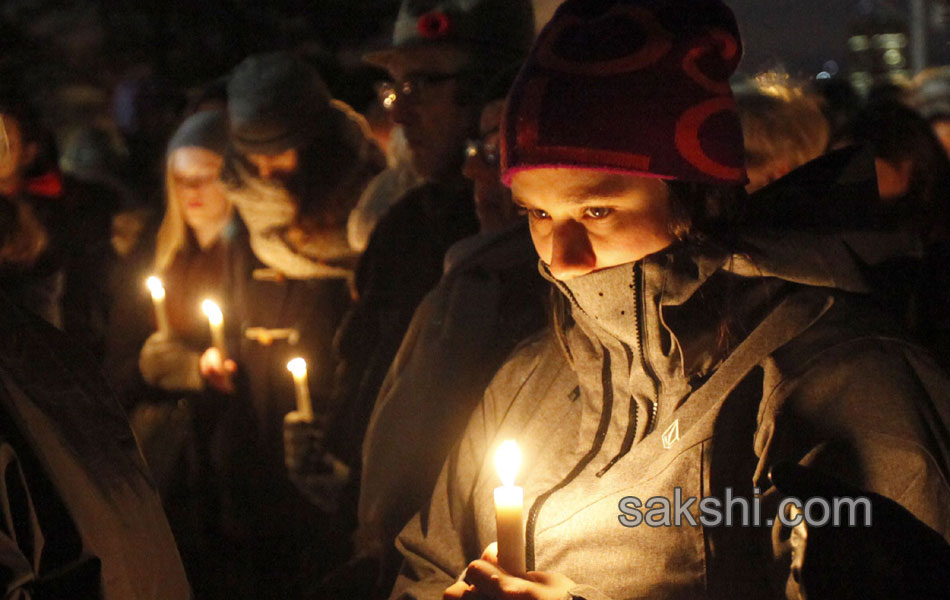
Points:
[(81, 518)]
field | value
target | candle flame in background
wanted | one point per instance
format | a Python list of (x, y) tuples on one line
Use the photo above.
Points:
[(155, 286), (508, 461), (297, 366), (212, 311)]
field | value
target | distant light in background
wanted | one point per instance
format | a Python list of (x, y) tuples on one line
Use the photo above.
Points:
[(831, 67), (823, 75), (774, 83)]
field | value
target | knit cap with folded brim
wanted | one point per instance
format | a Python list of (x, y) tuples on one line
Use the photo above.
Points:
[(276, 102), (206, 129), (630, 86), (495, 31)]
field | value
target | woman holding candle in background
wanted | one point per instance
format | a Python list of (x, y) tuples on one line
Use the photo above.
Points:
[(191, 253), (189, 427), (235, 407), (692, 347)]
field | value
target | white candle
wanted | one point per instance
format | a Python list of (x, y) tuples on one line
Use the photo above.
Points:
[(216, 322), (158, 299), (298, 368), (509, 508)]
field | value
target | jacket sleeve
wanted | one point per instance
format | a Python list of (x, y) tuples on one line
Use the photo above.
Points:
[(440, 541), (20, 536), (41, 552)]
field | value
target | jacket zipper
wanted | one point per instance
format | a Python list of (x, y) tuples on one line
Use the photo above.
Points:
[(647, 367), (599, 437), (631, 432)]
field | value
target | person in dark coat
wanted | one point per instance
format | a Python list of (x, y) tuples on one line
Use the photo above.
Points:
[(80, 515), (298, 163), (442, 55), (66, 283), (489, 299), (194, 437), (913, 175)]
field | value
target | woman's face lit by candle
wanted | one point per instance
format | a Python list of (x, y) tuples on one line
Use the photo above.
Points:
[(584, 220), (201, 195)]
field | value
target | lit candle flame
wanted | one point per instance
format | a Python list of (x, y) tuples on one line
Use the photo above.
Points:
[(155, 286), (213, 312), (298, 367), (508, 461)]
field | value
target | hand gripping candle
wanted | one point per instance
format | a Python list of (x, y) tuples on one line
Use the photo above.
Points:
[(509, 504), (216, 322), (158, 299), (298, 368)]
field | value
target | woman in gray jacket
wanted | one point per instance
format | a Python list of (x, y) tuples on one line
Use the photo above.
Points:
[(692, 349)]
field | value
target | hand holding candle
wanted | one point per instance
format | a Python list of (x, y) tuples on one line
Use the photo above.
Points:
[(509, 503), (298, 368), (158, 299), (216, 322)]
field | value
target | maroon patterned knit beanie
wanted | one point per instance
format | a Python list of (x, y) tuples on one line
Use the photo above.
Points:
[(632, 86)]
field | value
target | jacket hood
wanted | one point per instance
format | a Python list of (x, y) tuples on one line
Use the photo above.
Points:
[(678, 311)]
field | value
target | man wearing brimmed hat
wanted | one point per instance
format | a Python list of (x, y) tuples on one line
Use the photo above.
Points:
[(443, 53)]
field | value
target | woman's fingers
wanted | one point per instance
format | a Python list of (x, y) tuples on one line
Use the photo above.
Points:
[(493, 582), (488, 580), (456, 591), (485, 576), (491, 553)]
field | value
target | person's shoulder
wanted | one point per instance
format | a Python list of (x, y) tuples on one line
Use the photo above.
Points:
[(537, 358), (511, 249), (406, 214), (852, 330), (853, 368), (412, 201)]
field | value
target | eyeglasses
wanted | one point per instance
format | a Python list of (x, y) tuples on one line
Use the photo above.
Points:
[(412, 88), (489, 152)]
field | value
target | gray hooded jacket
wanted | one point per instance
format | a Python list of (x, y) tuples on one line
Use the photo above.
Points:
[(635, 393)]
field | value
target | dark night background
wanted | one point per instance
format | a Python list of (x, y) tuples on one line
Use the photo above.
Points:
[(91, 45), (806, 33), (196, 39)]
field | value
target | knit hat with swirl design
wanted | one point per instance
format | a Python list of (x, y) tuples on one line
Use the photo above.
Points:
[(632, 86)]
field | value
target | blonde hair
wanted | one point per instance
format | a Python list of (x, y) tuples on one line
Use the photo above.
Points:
[(781, 122), (173, 232), (27, 239)]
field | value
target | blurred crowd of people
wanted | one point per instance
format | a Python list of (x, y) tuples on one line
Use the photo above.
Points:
[(383, 247)]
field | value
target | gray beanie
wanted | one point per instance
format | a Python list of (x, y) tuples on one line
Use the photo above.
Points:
[(496, 31), (207, 129), (276, 102)]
